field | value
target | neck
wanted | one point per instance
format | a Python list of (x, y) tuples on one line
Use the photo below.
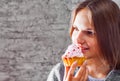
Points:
[(97, 68)]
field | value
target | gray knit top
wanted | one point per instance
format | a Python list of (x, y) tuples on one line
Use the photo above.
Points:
[(57, 74)]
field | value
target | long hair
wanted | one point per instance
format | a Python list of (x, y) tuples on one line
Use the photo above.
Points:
[(106, 21)]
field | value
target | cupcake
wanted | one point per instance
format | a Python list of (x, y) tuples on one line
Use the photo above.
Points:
[(73, 53)]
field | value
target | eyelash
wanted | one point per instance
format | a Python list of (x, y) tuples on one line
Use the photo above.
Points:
[(88, 32), (75, 28)]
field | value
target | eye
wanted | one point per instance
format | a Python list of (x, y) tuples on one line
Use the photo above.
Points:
[(75, 28), (90, 32)]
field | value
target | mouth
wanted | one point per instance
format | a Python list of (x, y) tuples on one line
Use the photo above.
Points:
[(84, 49)]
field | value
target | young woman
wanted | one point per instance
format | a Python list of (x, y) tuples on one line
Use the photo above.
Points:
[(95, 26)]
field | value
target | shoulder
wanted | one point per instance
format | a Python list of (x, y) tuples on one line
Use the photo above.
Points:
[(59, 70), (56, 73), (114, 75), (58, 67)]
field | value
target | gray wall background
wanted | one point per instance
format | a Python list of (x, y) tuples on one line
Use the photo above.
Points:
[(33, 36)]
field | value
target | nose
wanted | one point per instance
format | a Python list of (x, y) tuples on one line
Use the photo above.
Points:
[(80, 39)]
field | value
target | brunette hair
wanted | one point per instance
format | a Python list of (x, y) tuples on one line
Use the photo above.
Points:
[(106, 21)]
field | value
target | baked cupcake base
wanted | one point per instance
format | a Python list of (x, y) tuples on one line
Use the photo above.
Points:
[(69, 61)]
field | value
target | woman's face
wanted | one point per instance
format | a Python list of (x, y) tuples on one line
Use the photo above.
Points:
[(84, 34)]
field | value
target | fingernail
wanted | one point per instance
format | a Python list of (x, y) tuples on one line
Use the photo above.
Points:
[(85, 63), (75, 62)]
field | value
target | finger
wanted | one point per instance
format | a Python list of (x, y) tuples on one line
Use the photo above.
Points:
[(86, 75), (66, 71), (82, 78), (80, 74), (80, 71), (71, 71)]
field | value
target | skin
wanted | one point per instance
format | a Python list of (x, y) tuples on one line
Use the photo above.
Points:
[(84, 36)]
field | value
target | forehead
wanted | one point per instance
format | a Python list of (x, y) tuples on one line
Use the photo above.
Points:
[(83, 18)]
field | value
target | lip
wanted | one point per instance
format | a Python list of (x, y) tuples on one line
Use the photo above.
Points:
[(84, 49)]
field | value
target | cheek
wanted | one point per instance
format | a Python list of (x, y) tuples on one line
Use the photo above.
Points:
[(73, 37), (94, 46)]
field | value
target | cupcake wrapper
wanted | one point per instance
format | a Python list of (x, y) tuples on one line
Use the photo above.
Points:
[(69, 61)]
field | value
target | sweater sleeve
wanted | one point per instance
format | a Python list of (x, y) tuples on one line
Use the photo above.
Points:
[(56, 73), (114, 75)]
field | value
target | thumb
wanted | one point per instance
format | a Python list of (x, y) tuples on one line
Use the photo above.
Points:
[(66, 72)]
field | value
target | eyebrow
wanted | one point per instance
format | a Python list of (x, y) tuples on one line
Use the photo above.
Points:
[(74, 26), (89, 29)]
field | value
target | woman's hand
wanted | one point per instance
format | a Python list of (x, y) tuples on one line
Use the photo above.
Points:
[(81, 75)]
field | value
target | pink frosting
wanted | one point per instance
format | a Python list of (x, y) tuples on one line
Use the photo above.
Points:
[(73, 51)]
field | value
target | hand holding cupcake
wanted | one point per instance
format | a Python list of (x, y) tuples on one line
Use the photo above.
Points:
[(72, 54)]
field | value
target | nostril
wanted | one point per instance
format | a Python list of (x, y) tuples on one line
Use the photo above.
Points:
[(80, 41)]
